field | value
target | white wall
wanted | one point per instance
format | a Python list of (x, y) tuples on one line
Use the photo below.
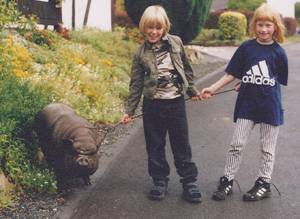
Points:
[(284, 7), (99, 15)]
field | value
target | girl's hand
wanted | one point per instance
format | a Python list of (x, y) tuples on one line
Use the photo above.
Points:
[(206, 93), (196, 97), (237, 86), (126, 118)]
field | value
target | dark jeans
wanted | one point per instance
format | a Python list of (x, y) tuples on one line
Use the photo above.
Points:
[(160, 117)]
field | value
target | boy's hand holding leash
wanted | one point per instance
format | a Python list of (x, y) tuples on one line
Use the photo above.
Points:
[(126, 118)]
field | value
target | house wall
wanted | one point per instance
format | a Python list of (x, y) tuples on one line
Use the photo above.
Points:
[(99, 14), (286, 8)]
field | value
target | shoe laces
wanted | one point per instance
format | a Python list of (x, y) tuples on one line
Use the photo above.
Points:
[(237, 184), (276, 189)]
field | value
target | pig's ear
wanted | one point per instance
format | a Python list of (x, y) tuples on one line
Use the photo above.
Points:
[(67, 144)]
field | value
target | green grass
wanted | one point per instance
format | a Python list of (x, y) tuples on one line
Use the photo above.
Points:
[(292, 39)]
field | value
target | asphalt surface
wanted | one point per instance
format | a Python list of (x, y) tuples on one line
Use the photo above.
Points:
[(121, 184)]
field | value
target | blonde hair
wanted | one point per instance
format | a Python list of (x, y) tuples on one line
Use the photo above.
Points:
[(267, 12), (155, 16)]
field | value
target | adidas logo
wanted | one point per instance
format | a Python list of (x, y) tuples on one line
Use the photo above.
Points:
[(261, 192), (259, 74), (227, 189)]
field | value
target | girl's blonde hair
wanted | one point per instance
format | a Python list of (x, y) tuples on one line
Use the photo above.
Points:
[(155, 16), (267, 12)]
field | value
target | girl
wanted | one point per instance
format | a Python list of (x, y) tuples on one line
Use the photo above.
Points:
[(261, 65), (161, 72)]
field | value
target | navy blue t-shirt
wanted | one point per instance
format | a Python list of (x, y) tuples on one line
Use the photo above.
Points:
[(262, 68)]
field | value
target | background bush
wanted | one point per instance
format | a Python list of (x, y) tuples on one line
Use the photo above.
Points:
[(290, 26), (212, 21), (232, 25), (208, 35), (121, 17)]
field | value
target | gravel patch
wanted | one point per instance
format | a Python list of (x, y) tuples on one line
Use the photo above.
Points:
[(40, 206)]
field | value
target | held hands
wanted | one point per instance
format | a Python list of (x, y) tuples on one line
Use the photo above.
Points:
[(196, 97), (206, 93), (126, 118)]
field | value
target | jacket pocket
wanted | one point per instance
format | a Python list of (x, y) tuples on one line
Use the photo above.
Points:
[(148, 64)]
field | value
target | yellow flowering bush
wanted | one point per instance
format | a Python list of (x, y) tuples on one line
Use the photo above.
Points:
[(14, 58), (8, 14), (95, 92), (232, 25)]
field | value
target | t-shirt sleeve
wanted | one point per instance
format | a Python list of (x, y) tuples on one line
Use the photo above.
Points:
[(282, 69), (235, 66)]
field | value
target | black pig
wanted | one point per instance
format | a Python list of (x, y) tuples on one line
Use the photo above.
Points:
[(69, 142)]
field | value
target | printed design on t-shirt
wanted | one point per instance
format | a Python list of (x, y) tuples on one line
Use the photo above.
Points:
[(169, 81), (259, 75)]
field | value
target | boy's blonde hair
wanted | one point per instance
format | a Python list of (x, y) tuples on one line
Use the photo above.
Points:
[(267, 12), (155, 16)]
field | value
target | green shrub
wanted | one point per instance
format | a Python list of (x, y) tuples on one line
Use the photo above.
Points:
[(232, 25), (208, 35), (19, 103)]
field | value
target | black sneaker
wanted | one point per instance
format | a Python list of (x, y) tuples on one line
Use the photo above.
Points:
[(159, 190), (224, 189), (191, 192), (260, 190)]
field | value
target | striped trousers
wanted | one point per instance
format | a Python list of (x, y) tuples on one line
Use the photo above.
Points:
[(268, 140)]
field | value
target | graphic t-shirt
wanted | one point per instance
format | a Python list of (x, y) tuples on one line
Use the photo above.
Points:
[(170, 83), (262, 68)]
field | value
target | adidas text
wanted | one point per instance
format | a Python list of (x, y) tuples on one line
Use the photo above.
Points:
[(259, 80), (259, 74)]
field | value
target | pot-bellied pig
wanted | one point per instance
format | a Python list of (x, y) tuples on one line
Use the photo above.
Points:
[(69, 142)]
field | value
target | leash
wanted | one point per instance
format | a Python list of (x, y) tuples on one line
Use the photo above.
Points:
[(112, 128), (221, 92)]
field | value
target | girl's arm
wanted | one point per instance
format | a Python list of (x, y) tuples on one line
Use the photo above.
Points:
[(226, 79)]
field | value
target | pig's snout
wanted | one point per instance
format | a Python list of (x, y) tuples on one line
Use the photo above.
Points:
[(83, 161)]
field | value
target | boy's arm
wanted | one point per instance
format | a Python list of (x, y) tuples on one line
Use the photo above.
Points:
[(226, 79)]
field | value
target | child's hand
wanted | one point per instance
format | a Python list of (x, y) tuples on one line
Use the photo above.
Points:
[(126, 118), (196, 97), (206, 93), (237, 86)]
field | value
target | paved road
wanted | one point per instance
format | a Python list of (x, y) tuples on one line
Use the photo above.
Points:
[(121, 184)]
